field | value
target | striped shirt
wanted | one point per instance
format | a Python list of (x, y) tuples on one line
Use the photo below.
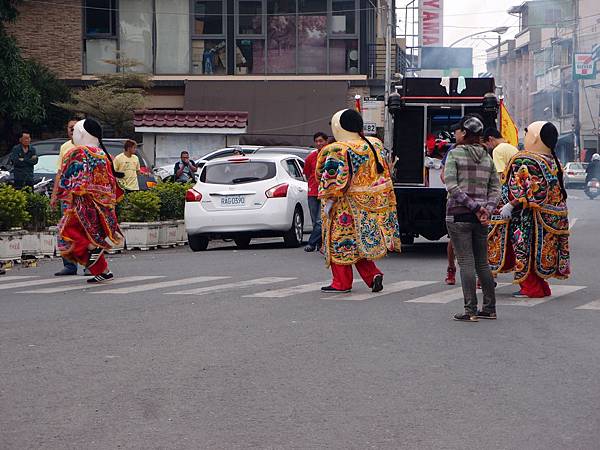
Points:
[(471, 180)]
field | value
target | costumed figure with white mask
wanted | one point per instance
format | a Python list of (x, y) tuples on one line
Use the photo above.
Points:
[(360, 222), (88, 187), (530, 233)]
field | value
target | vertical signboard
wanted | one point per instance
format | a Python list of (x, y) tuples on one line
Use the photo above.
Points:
[(431, 23), (584, 66)]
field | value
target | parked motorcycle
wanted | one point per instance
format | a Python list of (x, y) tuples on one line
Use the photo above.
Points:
[(592, 189), (44, 186)]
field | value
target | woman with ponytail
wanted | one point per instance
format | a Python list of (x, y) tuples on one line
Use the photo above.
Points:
[(530, 233), (360, 222)]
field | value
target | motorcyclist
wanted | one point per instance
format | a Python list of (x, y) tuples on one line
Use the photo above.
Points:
[(593, 169)]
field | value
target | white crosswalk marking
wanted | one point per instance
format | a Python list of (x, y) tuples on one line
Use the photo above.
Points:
[(238, 284), (387, 289), (14, 277), (591, 305), (84, 285), (286, 292), (33, 283), (160, 285), (443, 297), (558, 290)]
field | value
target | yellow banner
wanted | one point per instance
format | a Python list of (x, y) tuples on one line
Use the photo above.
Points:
[(508, 129)]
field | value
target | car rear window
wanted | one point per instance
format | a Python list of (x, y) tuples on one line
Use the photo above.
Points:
[(238, 172), (46, 164), (576, 166)]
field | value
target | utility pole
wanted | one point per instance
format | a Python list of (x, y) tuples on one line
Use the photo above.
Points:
[(387, 130), (498, 85), (576, 83)]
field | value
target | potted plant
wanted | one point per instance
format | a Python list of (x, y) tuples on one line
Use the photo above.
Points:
[(13, 214), (172, 204), (39, 241), (139, 213)]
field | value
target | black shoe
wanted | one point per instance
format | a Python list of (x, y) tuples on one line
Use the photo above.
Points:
[(520, 294), (2, 272), (102, 278), (377, 283), (466, 318), (64, 272), (334, 290), (94, 256), (309, 248), (486, 315)]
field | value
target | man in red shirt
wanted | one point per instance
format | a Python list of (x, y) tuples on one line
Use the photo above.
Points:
[(314, 204)]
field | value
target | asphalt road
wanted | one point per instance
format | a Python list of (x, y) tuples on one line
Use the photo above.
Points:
[(230, 349)]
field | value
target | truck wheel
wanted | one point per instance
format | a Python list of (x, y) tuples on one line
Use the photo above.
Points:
[(407, 239), (293, 237), (198, 243)]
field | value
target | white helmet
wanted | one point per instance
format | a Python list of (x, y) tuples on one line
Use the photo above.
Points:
[(595, 157)]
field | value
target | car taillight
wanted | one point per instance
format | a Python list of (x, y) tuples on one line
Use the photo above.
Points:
[(570, 172), (277, 191), (193, 196), (144, 170)]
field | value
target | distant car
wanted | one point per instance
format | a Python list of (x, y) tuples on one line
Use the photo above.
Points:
[(243, 197), (48, 152), (165, 173), (574, 174)]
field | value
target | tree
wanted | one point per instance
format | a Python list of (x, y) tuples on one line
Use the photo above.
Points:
[(114, 98)]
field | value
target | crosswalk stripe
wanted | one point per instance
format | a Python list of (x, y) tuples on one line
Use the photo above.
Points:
[(85, 285), (591, 305), (238, 284), (285, 292), (443, 297), (13, 278), (160, 285), (387, 289), (558, 290), (33, 283)]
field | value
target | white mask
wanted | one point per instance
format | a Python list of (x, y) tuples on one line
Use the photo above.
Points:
[(82, 137)]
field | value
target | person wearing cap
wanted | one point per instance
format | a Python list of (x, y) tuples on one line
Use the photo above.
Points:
[(473, 191), (89, 189), (502, 151), (359, 217), (530, 230)]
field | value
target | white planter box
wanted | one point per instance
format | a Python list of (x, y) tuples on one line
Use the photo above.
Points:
[(11, 247), (141, 235), (31, 244), (47, 243), (167, 235), (181, 233)]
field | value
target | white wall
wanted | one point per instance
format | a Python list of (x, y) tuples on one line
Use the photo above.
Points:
[(168, 147)]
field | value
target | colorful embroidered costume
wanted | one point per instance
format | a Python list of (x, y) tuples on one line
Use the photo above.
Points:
[(89, 189), (534, 243), (363, 223)]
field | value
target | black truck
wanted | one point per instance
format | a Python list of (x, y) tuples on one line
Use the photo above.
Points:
[(424, 110)]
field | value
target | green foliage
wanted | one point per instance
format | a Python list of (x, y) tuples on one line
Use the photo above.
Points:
[(13, 208), (172, 200), (114, 98), (140, 206), (38, 208), (8, 10)]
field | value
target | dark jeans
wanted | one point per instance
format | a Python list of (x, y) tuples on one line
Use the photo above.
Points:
[(470, 246), (69, 265), (20, 184), (314, 206)]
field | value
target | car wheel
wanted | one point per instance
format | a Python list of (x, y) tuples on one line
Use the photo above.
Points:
[(198, 242), (242, 242), (293, 237)]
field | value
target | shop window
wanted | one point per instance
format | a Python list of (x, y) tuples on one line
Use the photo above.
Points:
[(250, 56), (209, 57), (208, 17), (343, 56)]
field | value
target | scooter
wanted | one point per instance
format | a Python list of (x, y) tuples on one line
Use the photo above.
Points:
[(43, 186), (592, 189)]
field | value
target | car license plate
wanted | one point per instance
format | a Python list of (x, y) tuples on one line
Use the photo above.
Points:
[(233, 200)]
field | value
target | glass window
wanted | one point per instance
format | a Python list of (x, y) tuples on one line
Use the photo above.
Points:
[(96, 52), (209, 56), (208, 17), (312, 6), (343, 17), (292, 169), (312, 44), (135, 23), (343, 56), (281, 44), (237, 173), (250, 17), (250, 56), (46, 164), (281, 6), (172, 36), (100, 17)]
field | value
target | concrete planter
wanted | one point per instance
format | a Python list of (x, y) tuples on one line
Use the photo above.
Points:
[(181, 233), (11, 245), (141, 235), (167, 235), (31, 244), (47, 243)]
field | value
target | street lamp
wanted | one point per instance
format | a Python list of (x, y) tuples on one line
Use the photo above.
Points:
[(500, 31)]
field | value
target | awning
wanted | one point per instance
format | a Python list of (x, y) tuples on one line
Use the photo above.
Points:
[(190, 122)]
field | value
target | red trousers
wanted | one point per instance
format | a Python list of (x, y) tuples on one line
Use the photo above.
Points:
[(79, 252), (535, 287), (343, 277)]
